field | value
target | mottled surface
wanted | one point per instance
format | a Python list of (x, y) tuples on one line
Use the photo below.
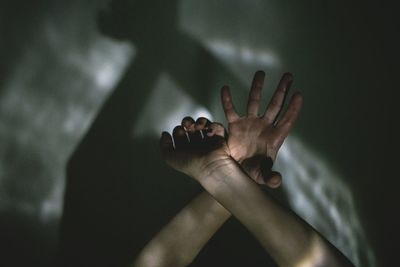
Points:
[(57, 69)]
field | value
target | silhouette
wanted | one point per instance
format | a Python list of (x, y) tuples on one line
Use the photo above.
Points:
[(118, 191)]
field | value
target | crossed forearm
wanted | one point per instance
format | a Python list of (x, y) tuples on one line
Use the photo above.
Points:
[(288, 239), (179, 242)]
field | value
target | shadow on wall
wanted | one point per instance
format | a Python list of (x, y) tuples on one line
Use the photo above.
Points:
[(117, 193)]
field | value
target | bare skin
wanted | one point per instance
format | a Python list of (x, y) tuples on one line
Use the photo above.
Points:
[(254, 137), (289, 240), (170, 245)]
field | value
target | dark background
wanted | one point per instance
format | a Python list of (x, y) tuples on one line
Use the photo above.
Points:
[(64, 63)]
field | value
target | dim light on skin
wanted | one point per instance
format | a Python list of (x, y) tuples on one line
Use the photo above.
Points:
[(315, 257), (314, 190)]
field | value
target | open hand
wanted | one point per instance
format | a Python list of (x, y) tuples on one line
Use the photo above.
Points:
[(254, 140)]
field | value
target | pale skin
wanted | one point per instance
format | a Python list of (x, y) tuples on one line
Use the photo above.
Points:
[(170, 246), (212, 161)]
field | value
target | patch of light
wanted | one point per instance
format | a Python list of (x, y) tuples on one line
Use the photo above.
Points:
[(102, 61), (36, 113), (230, 51), (318, 195), (174, 103), (104, 65), (316, 255), (50, 208)]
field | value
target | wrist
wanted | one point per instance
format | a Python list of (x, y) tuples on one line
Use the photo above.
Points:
[(220, 179), (239, 152), (212, 169)]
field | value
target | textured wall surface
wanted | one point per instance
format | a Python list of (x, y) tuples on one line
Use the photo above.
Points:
[(98, 78)]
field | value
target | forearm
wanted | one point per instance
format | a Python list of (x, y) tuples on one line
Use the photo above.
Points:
[(179, 242), (287, 238)]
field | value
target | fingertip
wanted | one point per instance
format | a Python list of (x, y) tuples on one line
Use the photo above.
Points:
[(274, 181), (165, 140), (225, 93), (188, 118), (297, 94), (297, 97), (288, 75), (260, 73), (201, 122), (287, 81), (187, 122), (165, 135), (258, 79), (178, 130), (225, 87)]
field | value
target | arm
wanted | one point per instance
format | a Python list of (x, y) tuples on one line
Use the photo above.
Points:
[(290, 240), (170, 247), (197, 222), (179, 242)]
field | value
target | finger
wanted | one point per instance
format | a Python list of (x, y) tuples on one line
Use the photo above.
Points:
[(285, 124), (274, 180), (166, 145), (197, 130), (253, 102), (188, 124), (180, 137), (227, 104), (278, 99), (216, 129), (201, 123)]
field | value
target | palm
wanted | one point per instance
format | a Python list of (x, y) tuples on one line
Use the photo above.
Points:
[(249, 136), (252, 138), (249, 142)]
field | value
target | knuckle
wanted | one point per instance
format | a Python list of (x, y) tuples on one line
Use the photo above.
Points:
[(255, 94), (201, 120), (178, 130), (187, 119), (275, 102)]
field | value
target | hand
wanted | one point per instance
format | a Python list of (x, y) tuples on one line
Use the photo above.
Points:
[(254, 140), (195, 148)]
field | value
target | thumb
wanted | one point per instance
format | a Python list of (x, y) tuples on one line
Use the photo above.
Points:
[(273, 180)]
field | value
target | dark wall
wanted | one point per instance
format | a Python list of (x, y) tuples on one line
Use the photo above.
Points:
[(76, 79)]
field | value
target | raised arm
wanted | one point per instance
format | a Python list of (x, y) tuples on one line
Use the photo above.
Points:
[(289, 240), (203, 216), (179, 242)]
